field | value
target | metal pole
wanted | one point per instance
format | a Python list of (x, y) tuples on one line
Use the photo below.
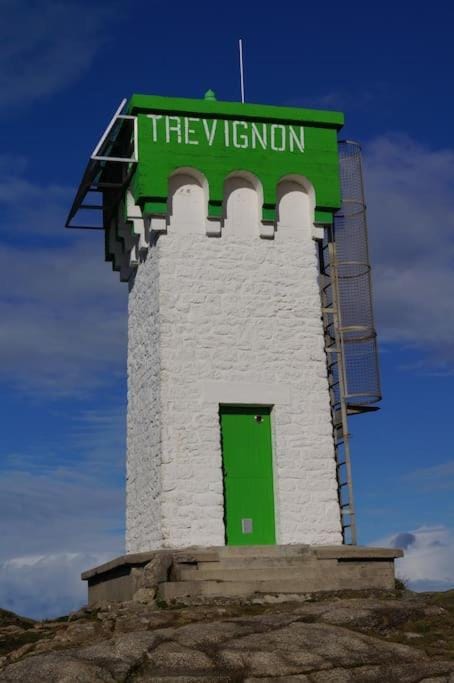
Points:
[(240, 44)]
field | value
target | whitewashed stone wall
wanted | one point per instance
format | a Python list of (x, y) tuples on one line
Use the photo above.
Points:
[(228, 319), (143, 465)]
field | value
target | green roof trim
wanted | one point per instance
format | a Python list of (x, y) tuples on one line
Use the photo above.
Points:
[(235, 110)]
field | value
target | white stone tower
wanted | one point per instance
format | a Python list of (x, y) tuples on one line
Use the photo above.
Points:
[(214, 213), (250, 342), (231, 320)]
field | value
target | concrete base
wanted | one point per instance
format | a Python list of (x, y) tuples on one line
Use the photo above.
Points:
[(200, 574)]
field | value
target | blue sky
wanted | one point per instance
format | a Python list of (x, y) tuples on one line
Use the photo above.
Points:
[(64, 67)]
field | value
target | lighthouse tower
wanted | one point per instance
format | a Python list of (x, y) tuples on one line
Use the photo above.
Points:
[(219, 216), (229, 427)]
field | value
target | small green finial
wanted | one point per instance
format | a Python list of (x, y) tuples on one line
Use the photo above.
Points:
[(210, 96)]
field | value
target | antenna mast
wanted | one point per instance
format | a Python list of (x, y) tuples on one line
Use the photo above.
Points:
[(240, 44)]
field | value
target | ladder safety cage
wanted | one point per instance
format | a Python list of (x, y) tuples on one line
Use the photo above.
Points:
[(109, 170), (351, 268), (348, 322)]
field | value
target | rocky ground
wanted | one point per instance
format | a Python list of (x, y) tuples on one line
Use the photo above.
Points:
[(399, 637)]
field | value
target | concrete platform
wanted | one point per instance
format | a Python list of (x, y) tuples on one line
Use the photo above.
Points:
[(192, 574)]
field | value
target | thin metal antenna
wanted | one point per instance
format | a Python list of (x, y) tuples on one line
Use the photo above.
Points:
[(240, 44)]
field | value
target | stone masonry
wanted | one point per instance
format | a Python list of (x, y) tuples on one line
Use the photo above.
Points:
[(231, 319)]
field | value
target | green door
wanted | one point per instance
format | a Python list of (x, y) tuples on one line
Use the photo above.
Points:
[(248, 475)]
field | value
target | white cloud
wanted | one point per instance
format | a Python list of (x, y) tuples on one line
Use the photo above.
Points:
[(31, 209), (345, 99), (428, 563), (61, 512), (63, 334), (438, 477), (46, 45), (66, 495), (53, 526), (64, 318), (411, 220), (46, 586), (63, 312)]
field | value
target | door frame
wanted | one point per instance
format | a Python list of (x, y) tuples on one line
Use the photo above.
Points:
[(238, 406)]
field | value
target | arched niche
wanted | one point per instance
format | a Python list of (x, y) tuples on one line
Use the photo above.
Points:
[(243, 199), (295, 204), (187, 200)]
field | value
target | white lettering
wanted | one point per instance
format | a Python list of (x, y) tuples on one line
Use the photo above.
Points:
[(189, 131), (295, 140), (257, 137), (210, 133), (226, 134), (241, 140), (174, 127), (239, 134), (274, 136), (154, 125)]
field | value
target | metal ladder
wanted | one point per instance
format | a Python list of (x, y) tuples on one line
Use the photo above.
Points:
[(334, 347)]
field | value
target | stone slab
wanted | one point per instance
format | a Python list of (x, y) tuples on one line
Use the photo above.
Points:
[(238, 571), (354, 552), (194, 554), (121, 561), (304, 571), (231, 589)]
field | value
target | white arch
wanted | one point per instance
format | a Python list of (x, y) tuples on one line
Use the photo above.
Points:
[(295, 204), (243, 199), (187, 202)]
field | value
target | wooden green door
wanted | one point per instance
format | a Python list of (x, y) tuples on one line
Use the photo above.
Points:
[(248, 475)]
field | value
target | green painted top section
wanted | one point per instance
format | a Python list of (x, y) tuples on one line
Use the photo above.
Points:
[(221, 138), (267, 112)]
